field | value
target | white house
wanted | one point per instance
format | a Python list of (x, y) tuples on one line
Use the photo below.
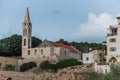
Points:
[(93, 56), (87, 58)]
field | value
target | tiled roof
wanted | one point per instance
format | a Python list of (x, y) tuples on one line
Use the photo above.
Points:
[(71, 48)]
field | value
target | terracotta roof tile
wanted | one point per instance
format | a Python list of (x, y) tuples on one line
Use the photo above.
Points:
[(65, 46)]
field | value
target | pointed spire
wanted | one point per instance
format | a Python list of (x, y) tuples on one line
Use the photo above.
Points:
[(27, 17)]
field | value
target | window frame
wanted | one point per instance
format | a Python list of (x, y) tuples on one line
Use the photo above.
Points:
[(41, 51), (24, 42), (35, 52), (112, 40), (87, 58), (28, 52), (113, 49)]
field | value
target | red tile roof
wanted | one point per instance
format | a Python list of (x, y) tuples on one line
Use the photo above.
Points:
[(72, 49)]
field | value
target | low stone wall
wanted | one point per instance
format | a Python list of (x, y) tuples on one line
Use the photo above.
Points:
[(6, 60)]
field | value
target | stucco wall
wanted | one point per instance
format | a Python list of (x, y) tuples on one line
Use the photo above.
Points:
[(49, 53), (116, 44), (89, 56), (6, 60)]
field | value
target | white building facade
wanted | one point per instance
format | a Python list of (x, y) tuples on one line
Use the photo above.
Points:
[(113, 43), (93, 56), (88, 58)]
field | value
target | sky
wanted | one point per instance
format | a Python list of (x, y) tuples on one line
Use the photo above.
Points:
[(71, 20)]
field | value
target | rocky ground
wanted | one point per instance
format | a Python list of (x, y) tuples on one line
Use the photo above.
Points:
[(16, 75), (70, 73)]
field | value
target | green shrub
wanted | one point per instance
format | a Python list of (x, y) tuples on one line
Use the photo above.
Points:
[(45, 65), (9, 67), (65, 63), (53, 67), (26, 66)]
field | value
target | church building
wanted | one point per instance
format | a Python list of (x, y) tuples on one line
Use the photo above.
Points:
[(47, 49)]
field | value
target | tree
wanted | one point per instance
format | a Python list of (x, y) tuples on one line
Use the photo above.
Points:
[(26, 66), (65, 63), (45, 65), (11, 46), (63, 41), (35, 41)]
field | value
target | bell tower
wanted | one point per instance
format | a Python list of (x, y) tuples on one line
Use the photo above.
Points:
[(26, 31)]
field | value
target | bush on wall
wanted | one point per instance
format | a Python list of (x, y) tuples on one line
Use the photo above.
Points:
[(9, 67), (45, 65), (26, 66)]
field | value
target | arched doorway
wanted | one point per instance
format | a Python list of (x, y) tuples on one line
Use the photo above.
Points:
[(113, 60)]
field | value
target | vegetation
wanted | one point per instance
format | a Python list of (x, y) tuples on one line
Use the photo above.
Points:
[(114, 74), (9, 67), (26, 66), (65, 63), (11, 46), (84, 46), (35, 41), (45, 65)]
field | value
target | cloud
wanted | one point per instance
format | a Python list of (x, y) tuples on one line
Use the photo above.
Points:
[(95, 29)]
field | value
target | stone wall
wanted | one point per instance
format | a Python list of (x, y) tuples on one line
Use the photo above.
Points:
[(6, 60)]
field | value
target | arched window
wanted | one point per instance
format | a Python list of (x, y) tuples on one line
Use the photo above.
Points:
[(65, 53), (28, 43), (100, 57), (24, 24), (24, 42), (28, 52), (41, 51), (35, 52), (25, 32), (113, 60), (29, 31)]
